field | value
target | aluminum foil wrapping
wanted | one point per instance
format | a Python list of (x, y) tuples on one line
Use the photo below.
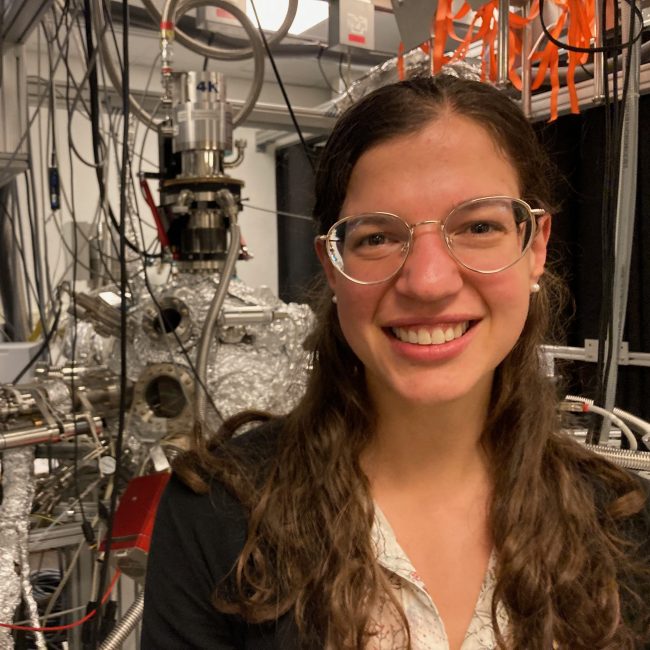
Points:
[(18, 492), (268, 369), (261, 366), (416, 63), (58, 395), (90, 348)]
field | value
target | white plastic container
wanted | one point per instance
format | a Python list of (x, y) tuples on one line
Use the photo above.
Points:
[(14, 357)]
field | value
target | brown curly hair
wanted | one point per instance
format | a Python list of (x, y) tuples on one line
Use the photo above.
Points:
[(556, 526)]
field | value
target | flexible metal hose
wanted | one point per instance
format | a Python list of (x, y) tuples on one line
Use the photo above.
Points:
[(213, 52), (638, 460), (256, 50), (125, 626), (229, 206)]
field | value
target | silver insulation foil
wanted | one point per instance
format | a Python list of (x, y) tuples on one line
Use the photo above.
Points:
[(253, 365), (88, 348), (416, 63), (18, 493)]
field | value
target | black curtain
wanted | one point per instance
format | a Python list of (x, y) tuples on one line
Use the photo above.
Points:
[(576, 143)]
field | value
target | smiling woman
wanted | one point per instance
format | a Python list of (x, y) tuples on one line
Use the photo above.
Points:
[(422, 495)]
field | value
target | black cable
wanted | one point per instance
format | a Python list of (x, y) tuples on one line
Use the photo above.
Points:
[(85, 524), (591, 50), (588, 73), (17, 232), (283, 90), (341, 75), (35, 247), (98, 143), (320, 67), (64, 47), (97, 621), (207, 58)]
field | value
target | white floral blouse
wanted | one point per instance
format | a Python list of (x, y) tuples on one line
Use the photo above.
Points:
[(426, 626)]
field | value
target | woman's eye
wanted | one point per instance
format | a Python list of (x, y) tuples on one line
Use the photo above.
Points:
[(374, 239), (482, 228), (479, 228)]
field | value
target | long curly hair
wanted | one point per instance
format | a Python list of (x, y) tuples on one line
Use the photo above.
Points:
[(557, 510)]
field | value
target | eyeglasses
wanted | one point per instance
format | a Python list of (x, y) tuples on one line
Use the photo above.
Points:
[(486, 235)]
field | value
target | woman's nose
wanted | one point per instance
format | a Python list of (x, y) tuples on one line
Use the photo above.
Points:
[(429, 271)]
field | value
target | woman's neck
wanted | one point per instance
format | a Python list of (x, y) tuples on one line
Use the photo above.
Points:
[(427, 445)]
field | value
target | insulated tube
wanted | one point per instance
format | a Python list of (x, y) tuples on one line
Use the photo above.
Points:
[(169, 10), (612, 415), (226, 200), (635, 421), (123, 629)]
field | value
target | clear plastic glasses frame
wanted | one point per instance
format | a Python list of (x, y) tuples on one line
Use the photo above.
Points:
[(485, 235)]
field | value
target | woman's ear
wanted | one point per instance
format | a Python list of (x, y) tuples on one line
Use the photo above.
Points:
[(326, 263), (539, 246)]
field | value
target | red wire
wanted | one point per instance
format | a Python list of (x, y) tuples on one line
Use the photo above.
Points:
[(148, 197), (57, 628)]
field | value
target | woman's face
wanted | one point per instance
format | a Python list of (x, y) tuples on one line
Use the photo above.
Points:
[(419, 177)]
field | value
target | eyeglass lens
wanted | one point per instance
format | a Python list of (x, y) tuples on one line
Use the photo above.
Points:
[(485, 235)]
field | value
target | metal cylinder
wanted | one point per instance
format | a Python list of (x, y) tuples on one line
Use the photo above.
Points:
[(40, 434), (502, 42), (203, 117)]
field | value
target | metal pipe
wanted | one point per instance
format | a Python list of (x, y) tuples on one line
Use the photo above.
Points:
[(213, 52), (36, 435), (526, 66), (599, 57), (502, 43), (626, 205)]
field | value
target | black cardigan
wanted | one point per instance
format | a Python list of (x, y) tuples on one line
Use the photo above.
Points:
[(196, 541)]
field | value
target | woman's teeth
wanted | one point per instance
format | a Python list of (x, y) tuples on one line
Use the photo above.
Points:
[(430, 335)]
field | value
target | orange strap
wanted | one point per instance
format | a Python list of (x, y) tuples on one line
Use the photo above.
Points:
[(577, 15), (400, 62)]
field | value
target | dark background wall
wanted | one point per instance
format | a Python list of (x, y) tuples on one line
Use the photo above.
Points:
[(576, 144), (297, 262)]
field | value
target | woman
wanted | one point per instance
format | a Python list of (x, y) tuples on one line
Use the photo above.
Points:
[(421, 495)]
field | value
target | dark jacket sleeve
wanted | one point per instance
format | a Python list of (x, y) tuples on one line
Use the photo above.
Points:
[(196, 542)]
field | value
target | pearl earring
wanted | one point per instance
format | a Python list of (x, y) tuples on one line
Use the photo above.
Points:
[(534, 287), (334, 299)]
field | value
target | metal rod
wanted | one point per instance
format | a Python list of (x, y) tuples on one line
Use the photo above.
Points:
[(43, 434), (599, 56), (625, 210), (502, 43), (526, 75)]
